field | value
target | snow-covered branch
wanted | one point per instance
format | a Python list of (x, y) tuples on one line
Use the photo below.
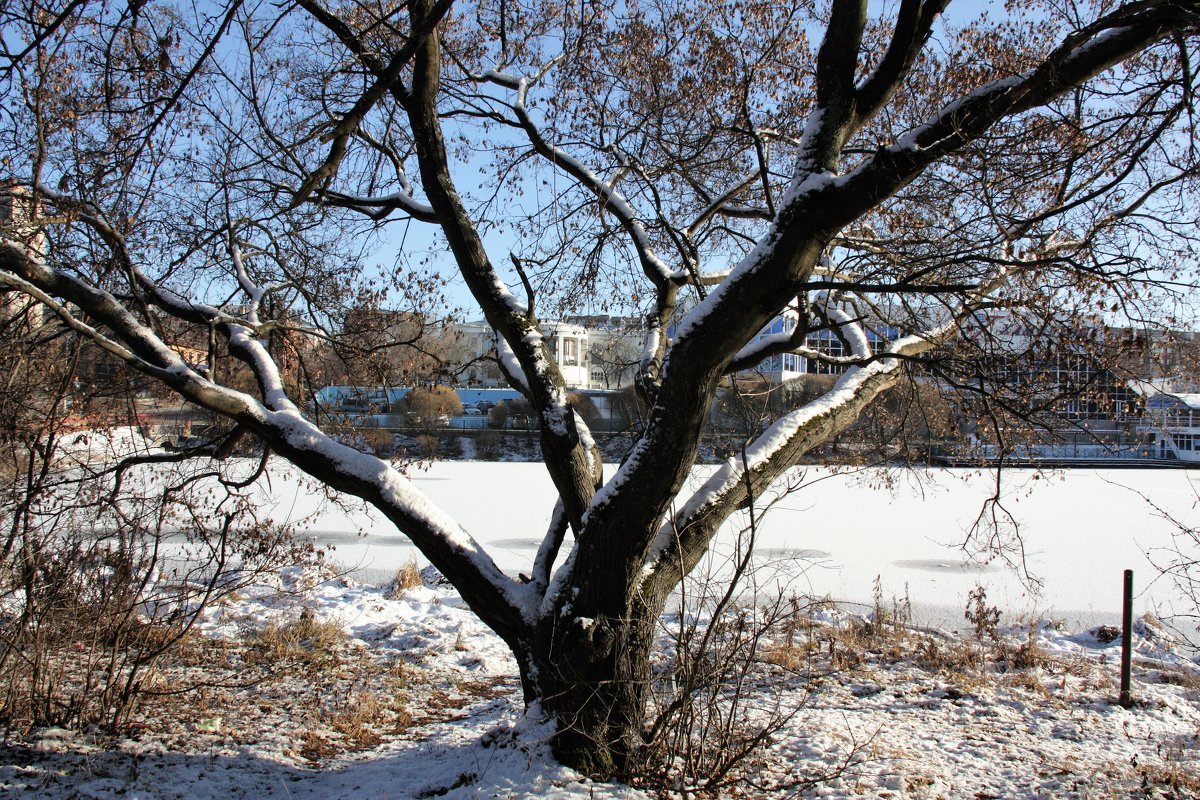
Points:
[(378, 207), (279, 423), (563, 453), (684, 536)]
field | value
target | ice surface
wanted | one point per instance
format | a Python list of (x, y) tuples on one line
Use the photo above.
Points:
[(1081, 529)]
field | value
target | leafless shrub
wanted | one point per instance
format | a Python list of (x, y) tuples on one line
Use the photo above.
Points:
[(106, 558), (980, 615), (719, 700), (489, 445), (734, 652), (1179, 564), (380, 441), (429, 445), (1026, 655), (90, 609)]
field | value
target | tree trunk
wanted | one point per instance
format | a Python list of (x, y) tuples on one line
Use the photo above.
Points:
[(592, 677)]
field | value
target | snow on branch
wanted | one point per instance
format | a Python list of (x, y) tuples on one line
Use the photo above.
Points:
[(685, 534), (10, 280), (764, 346), (788, 426), (26, 271), (253, 291), (846, 326), (280, 423), (379, 207), (510, 365)]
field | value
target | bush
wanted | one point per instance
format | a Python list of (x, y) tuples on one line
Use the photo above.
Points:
[(429, 445), (489, 445), (90, 607), (432, 404)]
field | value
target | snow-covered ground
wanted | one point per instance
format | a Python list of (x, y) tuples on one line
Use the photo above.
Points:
[(415, 699), (903, 714)]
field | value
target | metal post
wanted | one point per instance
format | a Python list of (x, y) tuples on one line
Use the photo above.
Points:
[(1127, 640)]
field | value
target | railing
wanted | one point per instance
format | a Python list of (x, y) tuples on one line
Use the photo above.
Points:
[(1169, 419), (1059, 452)]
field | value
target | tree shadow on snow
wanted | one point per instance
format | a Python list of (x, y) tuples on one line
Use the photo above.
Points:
[(498, 763)]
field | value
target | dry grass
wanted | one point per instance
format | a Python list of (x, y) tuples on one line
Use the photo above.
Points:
[(316, 747), (303, 684), (306, 639), (1029, 681), (364, 719), (1175, 777), (407, 577), (789, 656), (949, 657), (1025, 656)]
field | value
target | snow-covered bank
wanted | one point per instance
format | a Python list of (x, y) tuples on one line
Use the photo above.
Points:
[(330, 687), (895, 714), (383, 697)]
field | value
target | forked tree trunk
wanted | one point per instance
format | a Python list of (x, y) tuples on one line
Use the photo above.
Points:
[(592, 676)]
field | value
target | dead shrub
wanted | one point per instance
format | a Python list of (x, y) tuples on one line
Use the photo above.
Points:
[(379, 441), (489, 445), (1027, 655), (108, 555), (709, 725), (718, 697), (983, 618), (950, 658), (90, 608)]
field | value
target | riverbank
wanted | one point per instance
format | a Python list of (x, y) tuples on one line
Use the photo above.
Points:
[(407, 696)]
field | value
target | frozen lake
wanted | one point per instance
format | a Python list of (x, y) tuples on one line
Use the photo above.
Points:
[(836, 532)]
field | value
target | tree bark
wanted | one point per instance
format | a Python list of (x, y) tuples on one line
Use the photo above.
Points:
[(594, 676)]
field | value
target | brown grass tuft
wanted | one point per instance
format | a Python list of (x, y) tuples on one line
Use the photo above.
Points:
[(407, 577)]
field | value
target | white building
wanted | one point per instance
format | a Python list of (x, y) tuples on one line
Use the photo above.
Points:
[(1171, 425), (783, 367), (615, 350), (567, 343)]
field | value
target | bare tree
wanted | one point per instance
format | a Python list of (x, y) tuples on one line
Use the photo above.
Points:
[(382, 347), (705, 163)]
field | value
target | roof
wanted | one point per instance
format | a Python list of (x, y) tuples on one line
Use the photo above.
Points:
[(1170, 400)]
